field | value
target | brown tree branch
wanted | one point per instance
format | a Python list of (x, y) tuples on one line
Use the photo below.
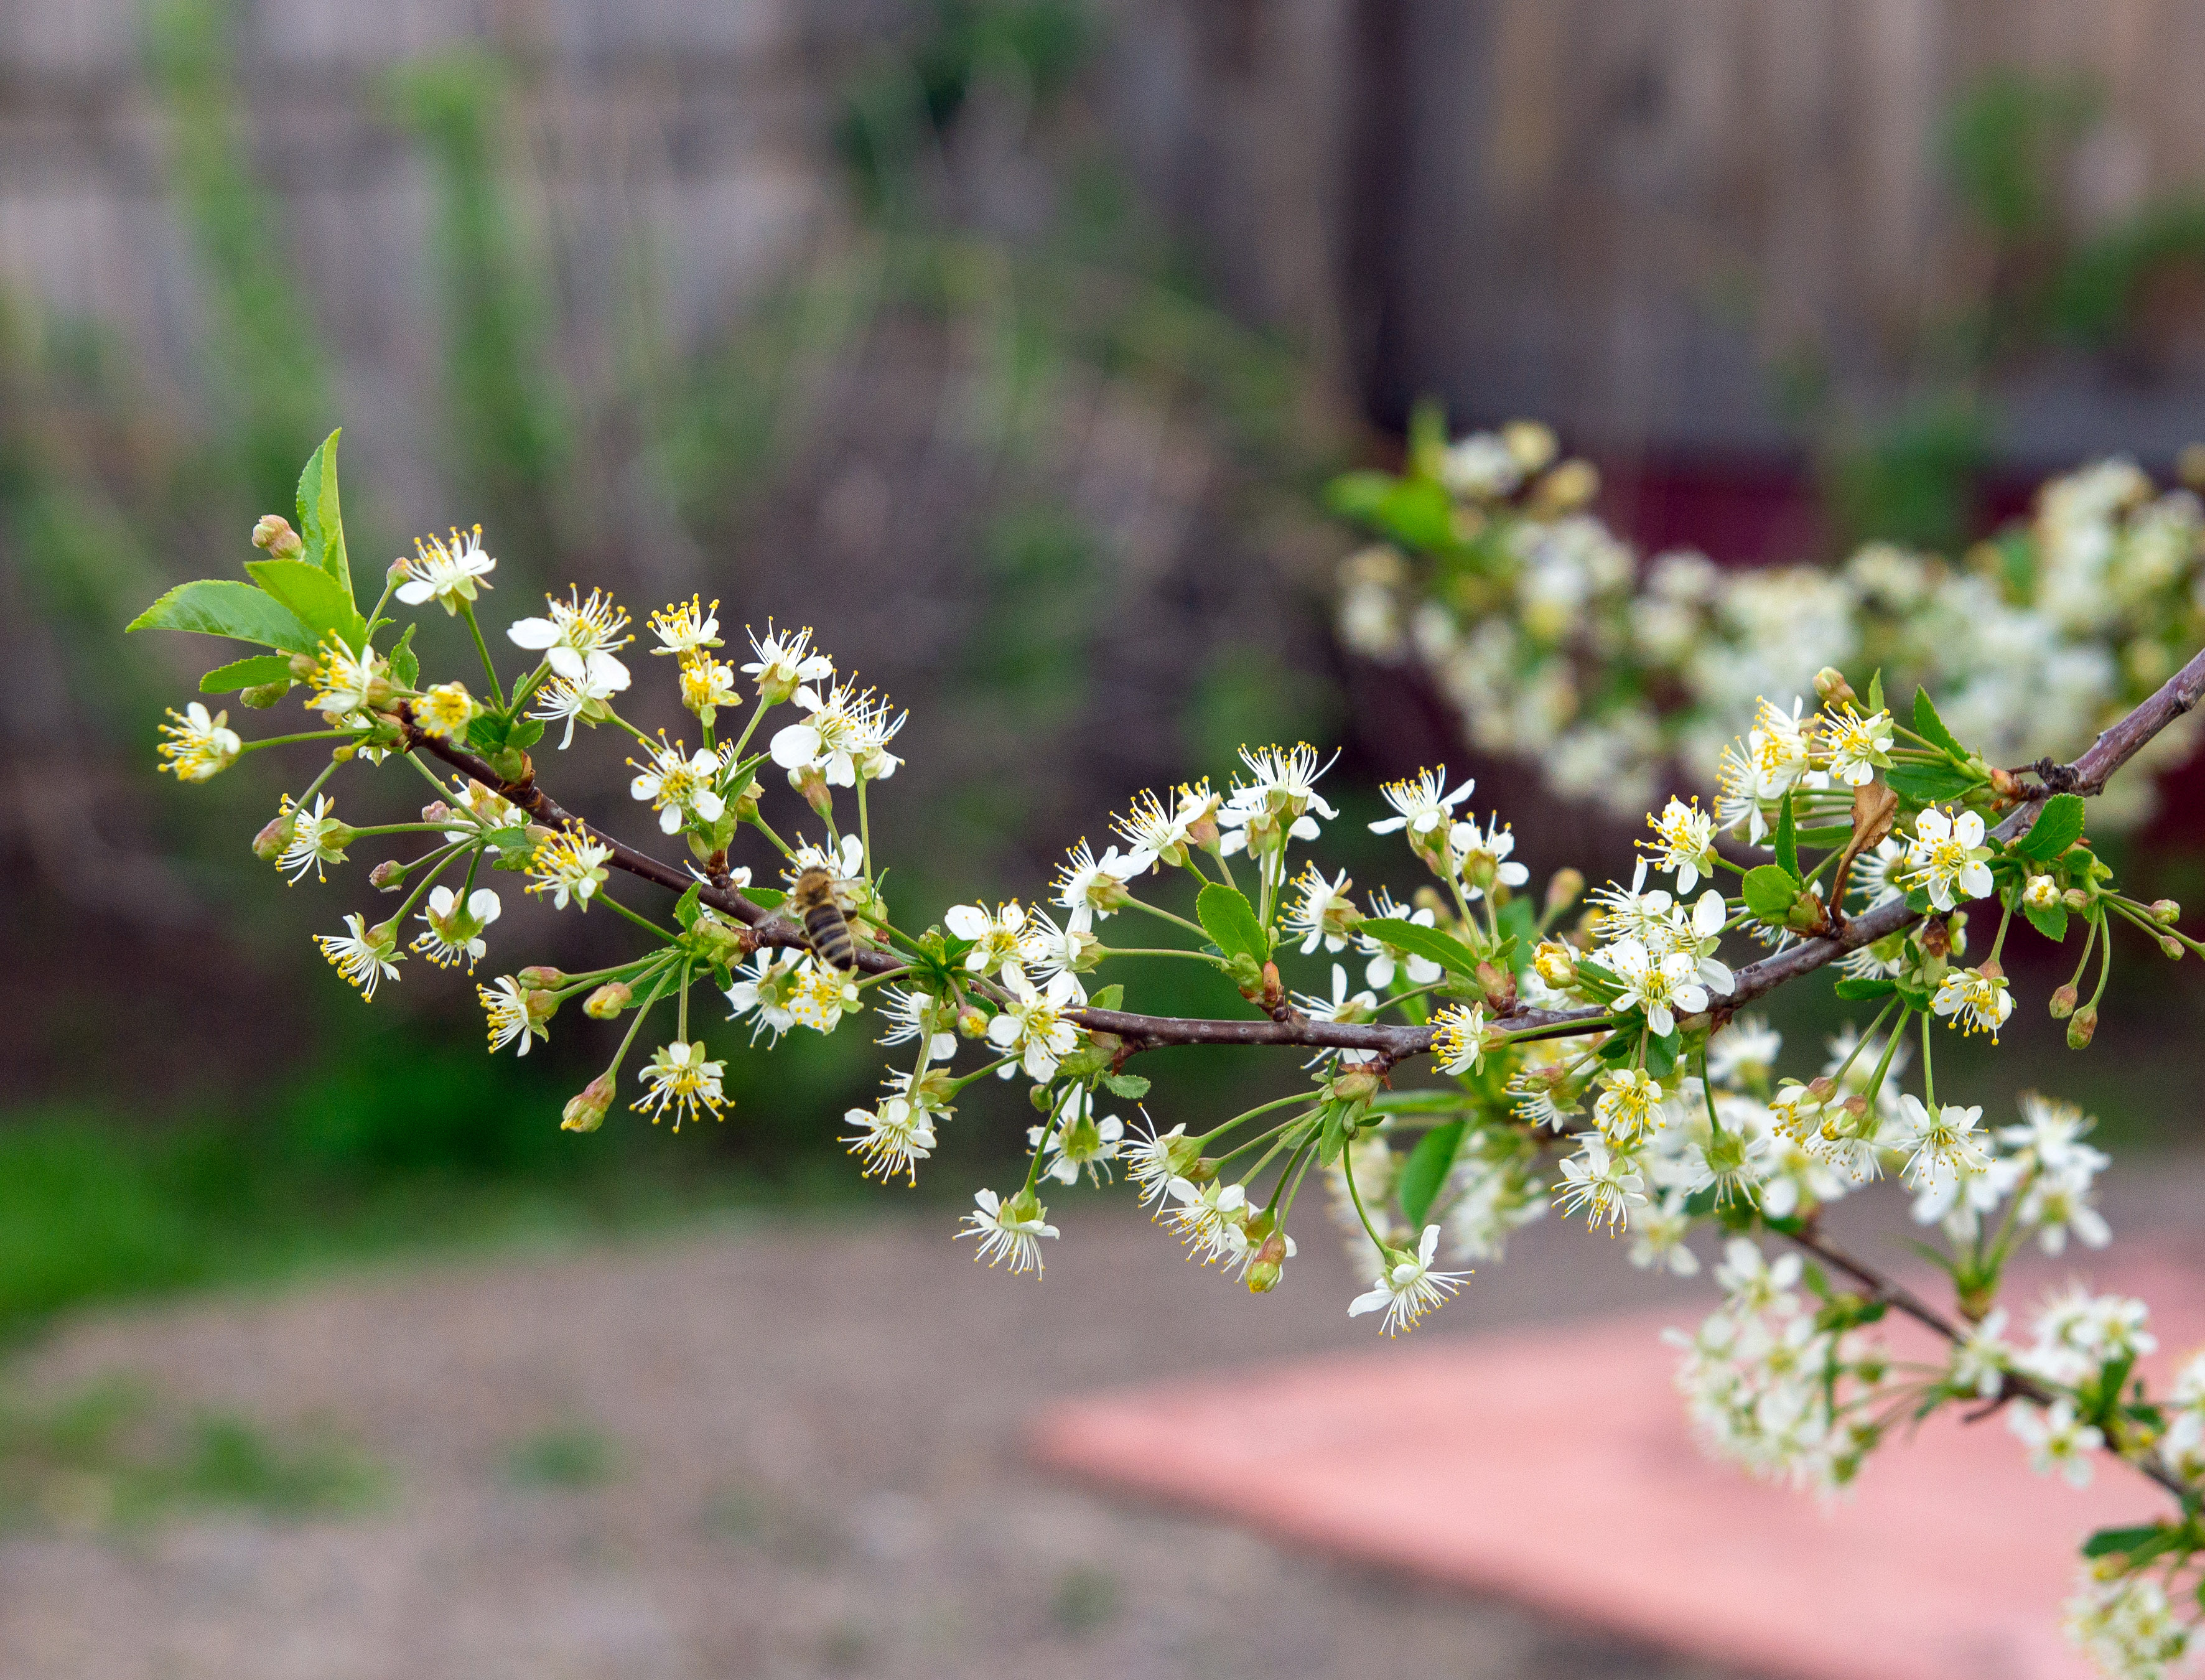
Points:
[(2017, 1386), (2087, 774)]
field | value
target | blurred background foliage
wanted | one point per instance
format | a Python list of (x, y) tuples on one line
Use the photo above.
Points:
[(1001, 433)]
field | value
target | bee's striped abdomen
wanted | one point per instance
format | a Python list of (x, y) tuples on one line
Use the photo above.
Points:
[(813, 900), (831, 936)]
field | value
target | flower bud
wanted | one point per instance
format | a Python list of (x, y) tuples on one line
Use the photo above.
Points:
[(1500, 987), (1531, 444), (273, 532), (1823, 1089), (606, 1003), (1263, 1277), (2190, 465), (585, 1111), (1357, 1085), (973, 1021), (263, 695), (387, 875), (2082, 1026), (1856, 1108), (1832, 688), (270, 842), (2166, 911), (2075, 899), (812, 784), (303, 665), (540, 978), (1563, 888), (2004, 784), (2171, 945), (1568, 487), (2064, 1001), (1556, 963)]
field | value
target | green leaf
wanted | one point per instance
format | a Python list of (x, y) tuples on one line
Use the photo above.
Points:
[(1426, 1170), (1130, 1086), (1769, 891), (524, 732), (1926, 784), (1875, 693), (321, 526), (487, 734), (1931, 727), (224, 607), (1110, 997), (315, 598), (2058, 827), (2136, 1544), (1662, 1053), (1860, 987), (2050, 921), (687, 907), (1787, 837), (1230, 920), (1829, 834), (261, 667), (1429, 1101), (765, 898), (405, 663), (1429, 943)]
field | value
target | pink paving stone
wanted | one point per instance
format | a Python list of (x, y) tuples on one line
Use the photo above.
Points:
[(1556, 1467)]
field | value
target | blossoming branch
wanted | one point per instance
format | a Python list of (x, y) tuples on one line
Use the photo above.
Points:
[(1475, 1053)]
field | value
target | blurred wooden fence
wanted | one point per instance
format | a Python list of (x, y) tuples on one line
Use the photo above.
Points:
[(1623, 214)]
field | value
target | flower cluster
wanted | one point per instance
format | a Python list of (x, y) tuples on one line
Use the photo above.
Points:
[(1557, 644), (1471, 1052)]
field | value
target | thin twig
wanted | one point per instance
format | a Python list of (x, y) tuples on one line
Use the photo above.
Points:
[(2017, 1385), (2086, 774)]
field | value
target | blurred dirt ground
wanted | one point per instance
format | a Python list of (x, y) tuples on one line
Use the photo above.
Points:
[(775, 1447)]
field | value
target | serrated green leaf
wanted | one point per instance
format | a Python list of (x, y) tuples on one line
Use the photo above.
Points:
[(315, 598), (1926, 784), (1769, 891), (2144, 1540), (2050, 921), (1130, 1086), (1110, 997), (1426, 1170), (1429, 943), (687, 906), (771, 898), (225, 607), (485, 733), (1860, 987), (1828, 834), (1230, 919), (524, 732), (1662, 1053), (1931, 727), (1875, 693), (321, 523), (1787, 837), (2058, 827), (261, 667)]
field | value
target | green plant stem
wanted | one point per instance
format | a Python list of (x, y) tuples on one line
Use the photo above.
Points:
[(1195, 928), (1202, 1140), (482, 648), (1164, 951), (293, 741), (643, 922), (1928, 1073)]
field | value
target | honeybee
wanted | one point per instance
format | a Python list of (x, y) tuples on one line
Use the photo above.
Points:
[(813, 900)]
